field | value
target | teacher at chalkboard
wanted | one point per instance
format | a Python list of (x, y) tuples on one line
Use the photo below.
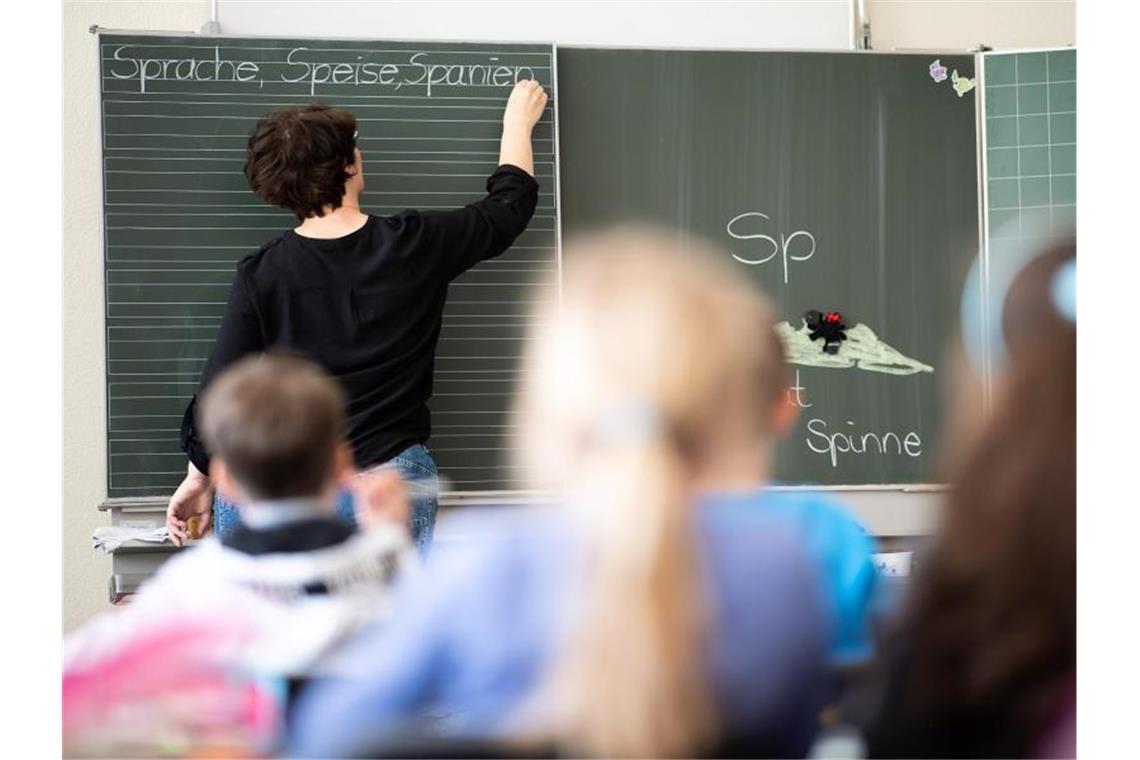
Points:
[(363, 295)]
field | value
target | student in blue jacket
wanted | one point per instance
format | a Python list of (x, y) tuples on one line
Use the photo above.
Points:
[(666, 606)]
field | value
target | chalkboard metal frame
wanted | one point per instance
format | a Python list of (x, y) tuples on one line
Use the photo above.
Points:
[(918, 52), (983, 231), (883, 512)]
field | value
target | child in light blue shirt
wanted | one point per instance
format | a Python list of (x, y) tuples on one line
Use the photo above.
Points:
[(838, 546)]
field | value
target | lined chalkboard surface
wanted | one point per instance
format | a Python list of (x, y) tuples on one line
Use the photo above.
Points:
[(176, 112), (837, 181)]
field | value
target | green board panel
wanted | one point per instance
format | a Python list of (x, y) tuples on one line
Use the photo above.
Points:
[(1031, 145), (860, 170), (178, 214)]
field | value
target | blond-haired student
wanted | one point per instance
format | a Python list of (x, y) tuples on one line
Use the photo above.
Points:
[(658, 608)]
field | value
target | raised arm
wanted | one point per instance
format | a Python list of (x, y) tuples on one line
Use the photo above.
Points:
[(524, 108), (458, 240)]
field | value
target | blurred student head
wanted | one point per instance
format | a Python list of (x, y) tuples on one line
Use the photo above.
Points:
[(992, 624), (275, 424), (655, 352), (305, 159), (656, 375)]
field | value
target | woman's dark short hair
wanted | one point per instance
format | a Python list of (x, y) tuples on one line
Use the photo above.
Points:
[(299, 158)]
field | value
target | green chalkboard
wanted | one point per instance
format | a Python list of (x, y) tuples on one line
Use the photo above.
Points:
[(860, 170), (178, 214), (1031, 145)]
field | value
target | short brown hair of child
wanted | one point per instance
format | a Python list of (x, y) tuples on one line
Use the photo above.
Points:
[(275, 421), (298, 158)]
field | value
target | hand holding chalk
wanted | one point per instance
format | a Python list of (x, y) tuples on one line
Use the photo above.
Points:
[(525, 105), (380, 496), (189, 513)]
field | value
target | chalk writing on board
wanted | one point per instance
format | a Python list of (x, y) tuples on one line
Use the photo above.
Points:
[(863, 350), (794, 395), (212, 69), (787, 248), (850, 441), (422, 69)]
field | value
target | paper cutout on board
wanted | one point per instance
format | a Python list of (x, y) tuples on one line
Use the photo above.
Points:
[(938, 71), (962, 85), (826, 326), (862, 350)]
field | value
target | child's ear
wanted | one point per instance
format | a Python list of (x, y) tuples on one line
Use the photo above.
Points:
[(344, 463), (224, 481), (784, 416)]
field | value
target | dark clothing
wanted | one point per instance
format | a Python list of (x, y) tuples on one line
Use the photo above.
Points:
[(311, 534), (367, 307), (900, 719), (289, 538)]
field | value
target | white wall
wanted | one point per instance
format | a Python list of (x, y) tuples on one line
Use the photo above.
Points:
[(85, 573), (820, 24), (805, 24), (1001, 24)]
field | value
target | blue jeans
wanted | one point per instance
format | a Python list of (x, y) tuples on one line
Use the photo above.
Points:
[(415, 465)]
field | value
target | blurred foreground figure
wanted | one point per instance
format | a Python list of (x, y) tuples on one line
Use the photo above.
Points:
[(203, 658), (666, 605), (985, 662)]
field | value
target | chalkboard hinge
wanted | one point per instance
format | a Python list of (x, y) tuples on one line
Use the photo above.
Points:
[(863, 22)]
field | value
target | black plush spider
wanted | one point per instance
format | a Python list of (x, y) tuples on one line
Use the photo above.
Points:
[(827, 325)]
